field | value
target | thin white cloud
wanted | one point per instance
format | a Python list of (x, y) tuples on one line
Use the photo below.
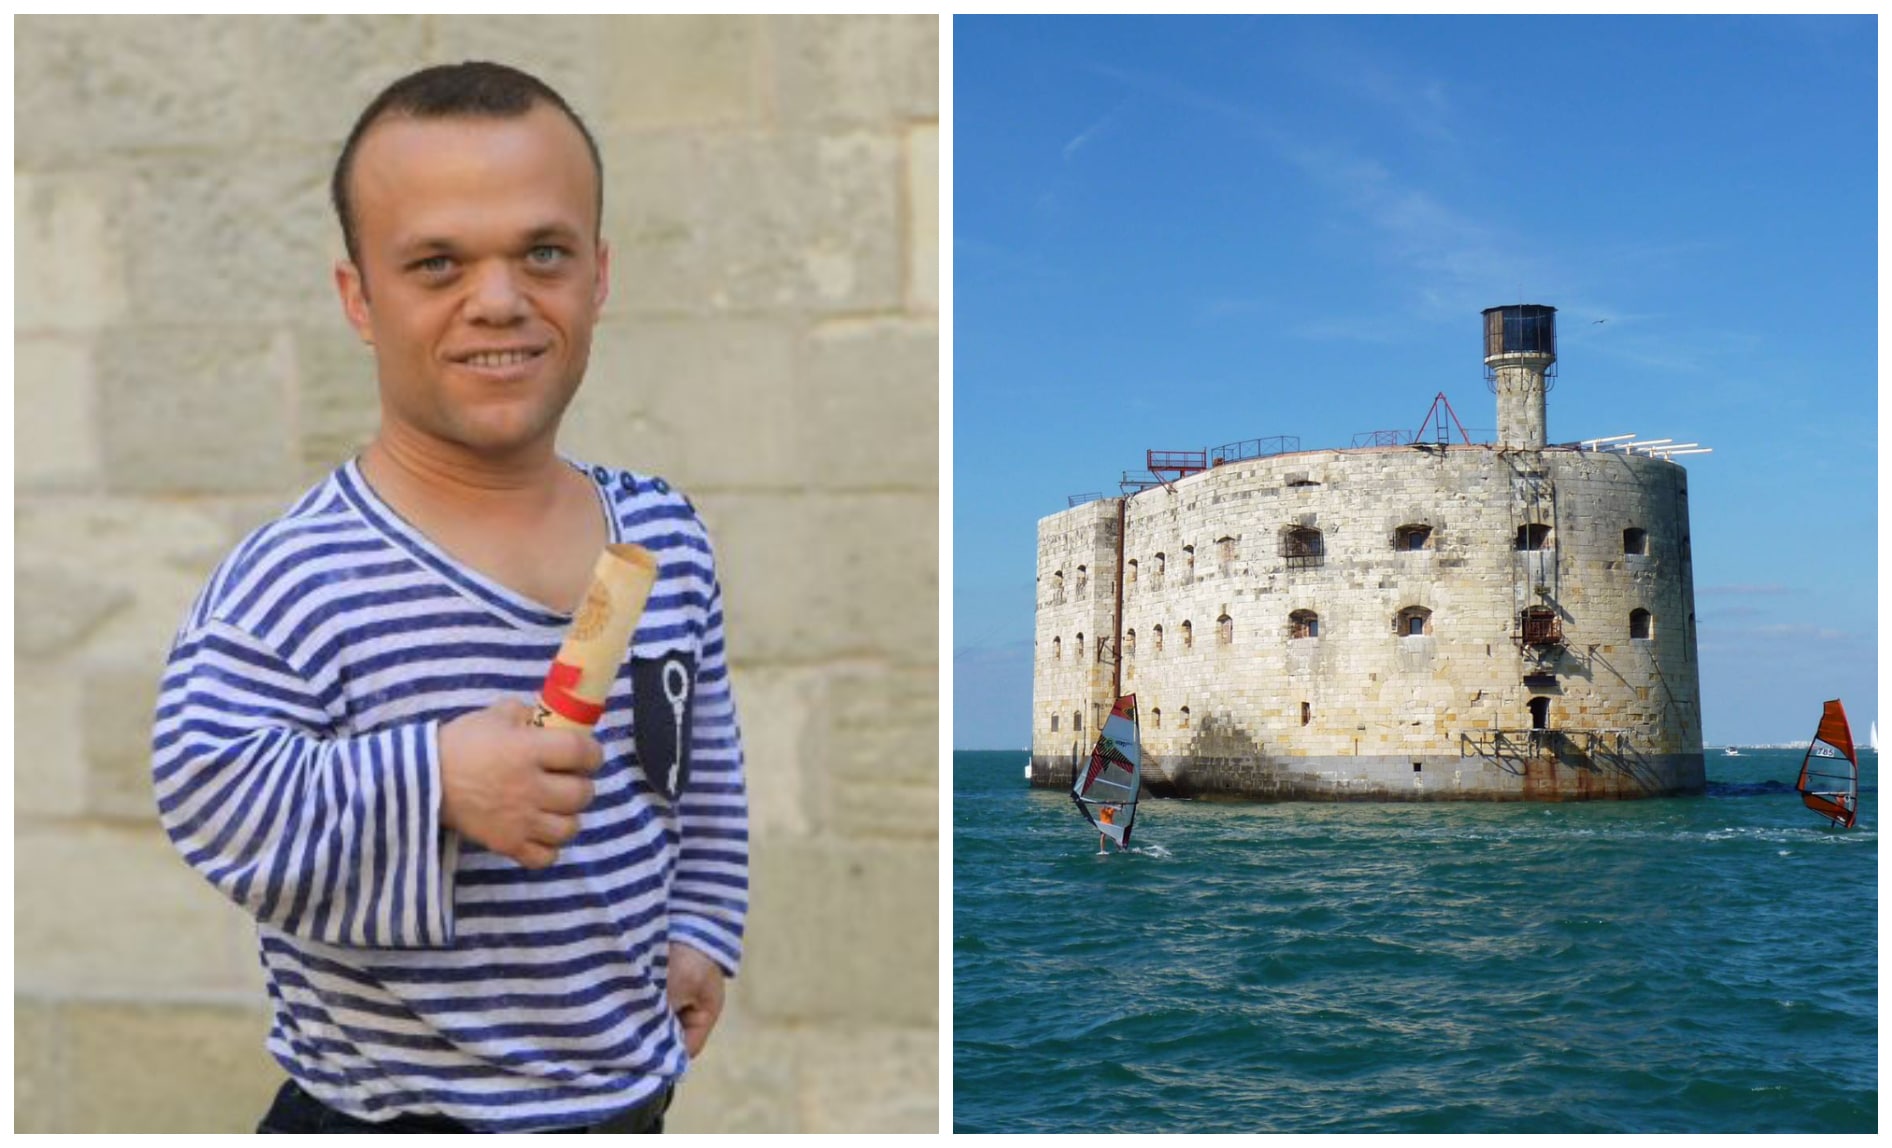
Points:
[(1421, 103), (1803, 633), (1452, 260), (1102, 126), (1462, 259)]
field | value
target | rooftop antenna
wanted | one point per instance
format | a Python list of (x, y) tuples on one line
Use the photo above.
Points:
[(1444, 435)]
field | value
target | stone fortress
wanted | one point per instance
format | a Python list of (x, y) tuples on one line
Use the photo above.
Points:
[(1433, 620)]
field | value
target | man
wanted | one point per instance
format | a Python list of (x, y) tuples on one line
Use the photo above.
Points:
[(467, 923)]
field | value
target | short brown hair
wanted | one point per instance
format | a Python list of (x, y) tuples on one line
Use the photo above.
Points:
[(475, 88)]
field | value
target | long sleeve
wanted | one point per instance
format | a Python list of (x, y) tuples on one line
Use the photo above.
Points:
[(710, 896), (334, 838)]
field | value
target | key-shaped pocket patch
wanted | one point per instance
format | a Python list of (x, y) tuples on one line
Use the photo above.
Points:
[(663, 692)]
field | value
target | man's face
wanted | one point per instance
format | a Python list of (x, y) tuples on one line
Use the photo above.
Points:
[(480, 276)]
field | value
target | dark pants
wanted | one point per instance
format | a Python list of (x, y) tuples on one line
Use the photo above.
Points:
[(297, 1111)]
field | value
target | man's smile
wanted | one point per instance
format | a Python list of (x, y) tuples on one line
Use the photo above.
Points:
[(502, 361)]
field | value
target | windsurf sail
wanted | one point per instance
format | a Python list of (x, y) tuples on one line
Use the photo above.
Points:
[(1829, 774), (1105, 788)]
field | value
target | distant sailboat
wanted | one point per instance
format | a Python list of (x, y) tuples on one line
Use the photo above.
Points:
[(1105, 790), (1829, 773), (1872, 739)]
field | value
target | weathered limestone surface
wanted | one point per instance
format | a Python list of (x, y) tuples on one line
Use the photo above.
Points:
[(184, 1065), (923, 217), (1233, 702), (184, 372)]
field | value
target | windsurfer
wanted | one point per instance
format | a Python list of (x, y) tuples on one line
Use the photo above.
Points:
[(1106, 790)]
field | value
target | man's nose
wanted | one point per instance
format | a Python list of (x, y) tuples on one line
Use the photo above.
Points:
[(495, 297)]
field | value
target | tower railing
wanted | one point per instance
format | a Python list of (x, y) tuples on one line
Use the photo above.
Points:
[(1254, 448)]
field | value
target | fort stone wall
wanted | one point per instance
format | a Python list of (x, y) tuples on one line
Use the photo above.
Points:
[(1404, 623)]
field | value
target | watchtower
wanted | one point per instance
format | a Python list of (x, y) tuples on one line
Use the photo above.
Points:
[(1520, 361)]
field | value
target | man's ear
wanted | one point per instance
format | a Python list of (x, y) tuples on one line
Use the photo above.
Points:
[(602, 290), (354, 292)]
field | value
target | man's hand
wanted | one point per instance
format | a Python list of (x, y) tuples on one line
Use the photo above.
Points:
[(513, 787), (696, 994)]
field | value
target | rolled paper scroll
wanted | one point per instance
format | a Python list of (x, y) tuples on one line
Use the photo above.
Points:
[(580, 679)]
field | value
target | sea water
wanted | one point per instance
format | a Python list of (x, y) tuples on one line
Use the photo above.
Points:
[(1698, 964)]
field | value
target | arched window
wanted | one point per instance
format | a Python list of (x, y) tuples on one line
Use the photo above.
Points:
[(1057, 588), (1057, 649), (1054, 723), (1413, 622), (1156, 636), (1130, 573), (1077, 720), (1162, 560), (1301, 546), (1307, 713), (1412, 537), (1225, 629), (1534, 536), (1641, 624), (1635, 542), (1189, 562), (1083, 578), (1156, 718), (1182, 718), (1189, 636), (1129, 644), (1540, 713), (1077, 651), (1225, 551), (1304, 624)]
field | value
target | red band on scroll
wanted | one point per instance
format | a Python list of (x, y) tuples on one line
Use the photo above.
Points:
[(558, 697)]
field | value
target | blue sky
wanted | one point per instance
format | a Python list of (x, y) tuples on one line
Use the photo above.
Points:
[(1175, 233)]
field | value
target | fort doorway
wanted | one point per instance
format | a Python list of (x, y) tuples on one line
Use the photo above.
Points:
[(1540, 713)]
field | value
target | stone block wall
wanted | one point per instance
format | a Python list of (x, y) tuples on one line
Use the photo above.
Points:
[(183, 370), (1412, 682), (1077, 587)]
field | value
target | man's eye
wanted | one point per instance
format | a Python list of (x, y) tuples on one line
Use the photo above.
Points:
[(433, 265), (546, 255)]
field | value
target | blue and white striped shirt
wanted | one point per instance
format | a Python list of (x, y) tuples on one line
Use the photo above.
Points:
[(296, 764)]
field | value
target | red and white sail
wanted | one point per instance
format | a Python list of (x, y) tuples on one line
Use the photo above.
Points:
[(1829, 774), (1105, 788)]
